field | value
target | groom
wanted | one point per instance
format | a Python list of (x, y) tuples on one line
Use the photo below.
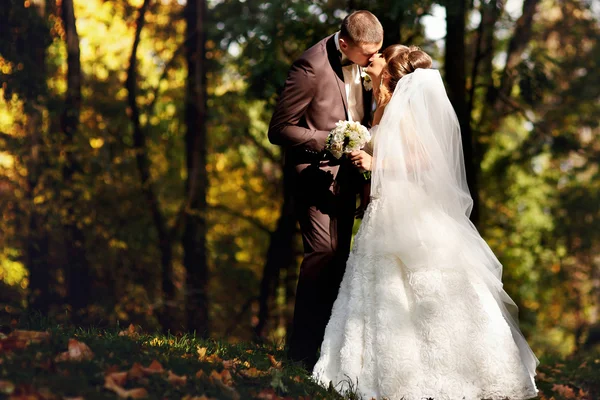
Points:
[(323, 86)]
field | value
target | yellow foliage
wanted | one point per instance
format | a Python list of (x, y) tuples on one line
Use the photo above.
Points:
[(12, 272), (6, 160), (39, 199), (96, 143)]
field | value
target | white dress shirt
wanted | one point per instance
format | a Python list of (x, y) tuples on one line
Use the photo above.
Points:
[(353, 83)]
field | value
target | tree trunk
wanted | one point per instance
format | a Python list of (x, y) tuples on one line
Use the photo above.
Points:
[(454, 64), (497, 97), (37, 239), (280, 255), (148, 190), (482, 67), (194, 236), (36, 245), (77, 268)]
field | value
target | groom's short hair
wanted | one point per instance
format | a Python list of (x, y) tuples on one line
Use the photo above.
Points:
[(362, 27)]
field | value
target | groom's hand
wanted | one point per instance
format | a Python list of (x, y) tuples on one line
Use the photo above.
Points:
[(361, 160)]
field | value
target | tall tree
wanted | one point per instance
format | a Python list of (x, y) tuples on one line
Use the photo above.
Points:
[(455, 73), (77, 268), (280, 256), (194, 236), (24, 38), (147, 186), (498, 103)]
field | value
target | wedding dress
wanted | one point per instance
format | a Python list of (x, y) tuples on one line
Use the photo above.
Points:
[(421, 312)]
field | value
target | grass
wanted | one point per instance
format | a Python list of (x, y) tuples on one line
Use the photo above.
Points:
[(192, 367), (198, 369)]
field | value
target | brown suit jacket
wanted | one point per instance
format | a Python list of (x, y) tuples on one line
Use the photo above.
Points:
[(312, 101)]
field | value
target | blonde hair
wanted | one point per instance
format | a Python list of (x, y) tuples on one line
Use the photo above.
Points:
[(361, 27), (400, 61)]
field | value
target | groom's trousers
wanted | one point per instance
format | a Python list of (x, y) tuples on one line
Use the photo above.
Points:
[(325, 202)]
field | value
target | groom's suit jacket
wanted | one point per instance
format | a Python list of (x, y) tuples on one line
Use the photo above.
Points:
[(324, 188), (312, 101)]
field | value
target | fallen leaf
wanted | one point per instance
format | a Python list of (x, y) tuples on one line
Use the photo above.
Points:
[(564, 391), (19, 339), (77, 351), (136, 393), (274, 362), (200, 374), (226, 377), (130, 332), (29, 392), (213, 358), (202, 352), (118, 377), (214, 376), (540, 375), (31, 336), (217, 379), (136, 371), (176, 380), (252, 373), (228, 364), (154, 368), (267, 394)]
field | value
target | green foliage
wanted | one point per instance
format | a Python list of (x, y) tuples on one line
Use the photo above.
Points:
[(539, 181)]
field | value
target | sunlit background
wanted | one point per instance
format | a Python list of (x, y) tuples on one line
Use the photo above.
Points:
[(531, 97)]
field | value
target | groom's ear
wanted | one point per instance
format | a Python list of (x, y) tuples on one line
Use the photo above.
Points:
[(343, 44)]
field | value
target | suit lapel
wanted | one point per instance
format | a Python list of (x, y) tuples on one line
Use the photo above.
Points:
[(336, 66), (367, 106)]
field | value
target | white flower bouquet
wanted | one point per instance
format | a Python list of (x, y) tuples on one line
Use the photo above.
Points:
[(347, 137)]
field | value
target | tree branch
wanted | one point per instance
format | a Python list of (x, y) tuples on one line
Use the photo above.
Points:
[(234, 213), (10, 139), (165, 71), (518, 43), (261, 147), (484, 47), (143, 163), (495, 104)]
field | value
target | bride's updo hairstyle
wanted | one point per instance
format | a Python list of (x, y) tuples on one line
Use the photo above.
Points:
[(401, 60)]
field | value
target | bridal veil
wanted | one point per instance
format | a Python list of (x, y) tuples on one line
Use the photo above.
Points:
[(418, 167)]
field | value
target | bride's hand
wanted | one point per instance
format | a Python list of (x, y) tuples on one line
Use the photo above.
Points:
[(360, 159)]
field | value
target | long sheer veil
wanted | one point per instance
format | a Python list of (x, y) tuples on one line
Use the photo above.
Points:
[(418, 168)]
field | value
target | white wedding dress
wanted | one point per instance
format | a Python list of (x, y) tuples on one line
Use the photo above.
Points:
[(421, 312)]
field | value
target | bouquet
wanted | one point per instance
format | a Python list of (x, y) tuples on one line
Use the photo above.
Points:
[(347, 137)]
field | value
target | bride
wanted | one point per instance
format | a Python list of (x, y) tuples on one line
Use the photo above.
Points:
[(421, 312)]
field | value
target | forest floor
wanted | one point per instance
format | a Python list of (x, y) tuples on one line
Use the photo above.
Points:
[(53, 362)]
